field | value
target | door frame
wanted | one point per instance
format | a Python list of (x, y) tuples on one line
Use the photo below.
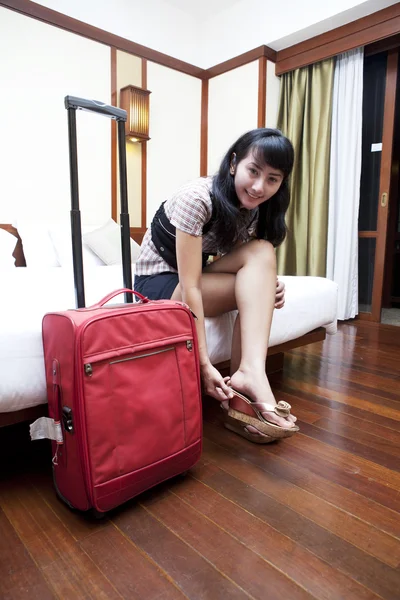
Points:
[(384, 188)]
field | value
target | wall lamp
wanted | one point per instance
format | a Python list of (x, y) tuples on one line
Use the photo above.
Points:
[(136, 103)]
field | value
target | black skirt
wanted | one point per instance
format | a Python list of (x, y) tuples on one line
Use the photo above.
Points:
[(160, 286)]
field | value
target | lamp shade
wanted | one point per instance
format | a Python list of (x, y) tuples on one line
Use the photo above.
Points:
[(136, 103)]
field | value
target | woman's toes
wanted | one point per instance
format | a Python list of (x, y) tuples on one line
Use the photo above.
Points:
[(280, 421)]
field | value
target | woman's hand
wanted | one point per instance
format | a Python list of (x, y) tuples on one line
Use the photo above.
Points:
[(279, 294), (214, 384)]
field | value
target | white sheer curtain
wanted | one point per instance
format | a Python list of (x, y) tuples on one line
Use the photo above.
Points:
[(344, 187)]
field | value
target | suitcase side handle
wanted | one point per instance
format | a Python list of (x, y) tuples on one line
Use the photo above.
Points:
[(55, 370), (116, 293), (112, 112)]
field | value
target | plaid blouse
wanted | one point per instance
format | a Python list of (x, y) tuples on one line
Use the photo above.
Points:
[(189, 210)]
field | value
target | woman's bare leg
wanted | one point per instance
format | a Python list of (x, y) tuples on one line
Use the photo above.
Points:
[(236, 356), (255, 297), (245, 279), (236, 351)]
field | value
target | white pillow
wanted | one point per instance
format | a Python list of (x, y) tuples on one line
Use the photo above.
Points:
[(8, 242), (60, 236), (37, 245), (106, 243)]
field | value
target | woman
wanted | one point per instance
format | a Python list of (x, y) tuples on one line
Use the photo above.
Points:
[(239, 214)]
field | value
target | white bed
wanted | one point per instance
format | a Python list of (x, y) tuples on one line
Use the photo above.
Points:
[(28, 293)]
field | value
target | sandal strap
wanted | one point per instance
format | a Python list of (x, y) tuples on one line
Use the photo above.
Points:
[(282, 409)]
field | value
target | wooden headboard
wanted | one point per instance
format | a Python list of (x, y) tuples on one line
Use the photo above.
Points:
[(18, 253)]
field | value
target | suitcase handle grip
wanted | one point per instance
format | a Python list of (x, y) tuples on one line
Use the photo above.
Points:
[(113, 112), (116, 293)]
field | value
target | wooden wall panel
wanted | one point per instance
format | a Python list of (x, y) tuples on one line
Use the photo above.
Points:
[(204, 129), (262, 91), (374, 27)]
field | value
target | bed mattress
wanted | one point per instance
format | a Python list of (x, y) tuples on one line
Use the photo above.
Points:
[(27, 294)]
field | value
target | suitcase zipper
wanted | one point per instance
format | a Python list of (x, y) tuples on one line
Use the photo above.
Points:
[(89, 367), (113, 362)]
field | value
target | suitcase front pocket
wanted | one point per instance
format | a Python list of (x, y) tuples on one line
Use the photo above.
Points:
[(134, 411)]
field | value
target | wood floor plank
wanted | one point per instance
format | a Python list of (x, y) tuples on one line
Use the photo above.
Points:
[(288, 556), (70, 573), (346, 377), (381, 439), (367, 570), (226, 553), (309, 406), (20, 578), (78, 524), (297, 474), (379, 372), (307, 416), (365, 401), (16, 501), (319, 403), (315, 516), (365, 384), (193, 574), (337, 456), (355, 379), (367, 362), (129, 570), (381, 367), (354, 445), (357, 474), (347, 476), (363, 535), (360, 425)]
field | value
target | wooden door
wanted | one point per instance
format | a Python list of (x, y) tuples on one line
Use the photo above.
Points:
[(372, 241)]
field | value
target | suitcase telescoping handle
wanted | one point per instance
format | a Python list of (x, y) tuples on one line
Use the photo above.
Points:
[(72, 104), (116, 293), (112, 112)]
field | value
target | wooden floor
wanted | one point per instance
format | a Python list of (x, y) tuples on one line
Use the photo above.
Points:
[(315, 516)]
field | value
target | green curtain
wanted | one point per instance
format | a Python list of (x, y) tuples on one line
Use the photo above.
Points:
[(305, 110)]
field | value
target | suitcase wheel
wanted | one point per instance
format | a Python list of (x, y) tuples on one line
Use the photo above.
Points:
[(96, 514)]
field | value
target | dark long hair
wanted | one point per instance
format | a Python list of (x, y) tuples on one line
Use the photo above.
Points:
[(271, 147)]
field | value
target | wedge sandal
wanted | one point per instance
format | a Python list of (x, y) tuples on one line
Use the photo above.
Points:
[(241, 429), (245, 412)]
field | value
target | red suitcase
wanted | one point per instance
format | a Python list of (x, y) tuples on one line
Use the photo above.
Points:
[(123, 380)]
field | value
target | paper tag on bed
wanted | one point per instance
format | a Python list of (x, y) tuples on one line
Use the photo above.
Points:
[(46, 428)]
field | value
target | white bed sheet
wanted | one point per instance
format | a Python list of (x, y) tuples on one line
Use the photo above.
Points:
[(27, 294)]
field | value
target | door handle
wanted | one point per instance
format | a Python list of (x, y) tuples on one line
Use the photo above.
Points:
[(384, 198)]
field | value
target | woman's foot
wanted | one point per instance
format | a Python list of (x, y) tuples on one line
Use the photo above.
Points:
[(257, 389)]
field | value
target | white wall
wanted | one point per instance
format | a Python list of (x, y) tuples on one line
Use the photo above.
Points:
[(232, 110), (153, 23), (173, 152), (41, 65)]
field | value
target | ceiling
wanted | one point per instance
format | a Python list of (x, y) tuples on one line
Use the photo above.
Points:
[(199, 9), (207, 10)]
